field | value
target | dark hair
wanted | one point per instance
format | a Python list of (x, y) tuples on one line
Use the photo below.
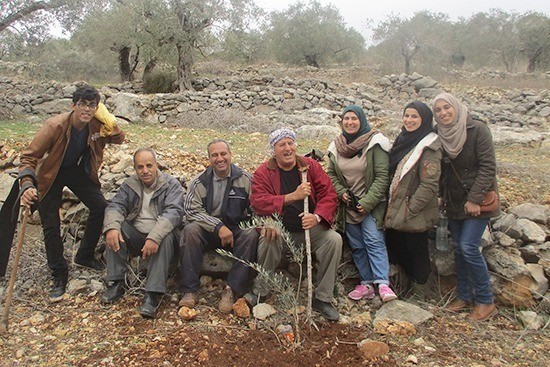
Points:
[(86, 93), (217, 141), (146, 149)]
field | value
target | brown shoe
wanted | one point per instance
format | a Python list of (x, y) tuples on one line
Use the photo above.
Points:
[(483, 312), (227, 300), (189, 300), (458, 305)]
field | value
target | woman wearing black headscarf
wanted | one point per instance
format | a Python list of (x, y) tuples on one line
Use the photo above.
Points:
[(415, 167)]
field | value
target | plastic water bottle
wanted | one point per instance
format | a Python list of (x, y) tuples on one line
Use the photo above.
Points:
[(441, 233)]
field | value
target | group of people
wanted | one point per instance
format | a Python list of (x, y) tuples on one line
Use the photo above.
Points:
[(383, 198)]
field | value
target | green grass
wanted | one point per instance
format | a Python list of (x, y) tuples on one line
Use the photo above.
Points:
[(522, 170)]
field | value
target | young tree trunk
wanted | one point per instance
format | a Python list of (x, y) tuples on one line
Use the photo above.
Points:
[(185, 65)]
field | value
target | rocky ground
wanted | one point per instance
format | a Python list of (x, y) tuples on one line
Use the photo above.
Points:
[(80, 331)]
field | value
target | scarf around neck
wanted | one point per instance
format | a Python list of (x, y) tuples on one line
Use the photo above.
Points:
[(364, 126), (406, 140), (452, 136)]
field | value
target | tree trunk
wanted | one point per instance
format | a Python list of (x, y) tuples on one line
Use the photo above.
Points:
[(126, 72), (311, 60), (149, 67), (533, 59), (407, 65), (185, 66)]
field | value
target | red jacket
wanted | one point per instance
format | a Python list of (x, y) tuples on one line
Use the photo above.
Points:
[(266, 198)]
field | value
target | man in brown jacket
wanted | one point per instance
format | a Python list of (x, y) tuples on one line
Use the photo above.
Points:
[(68, 151)]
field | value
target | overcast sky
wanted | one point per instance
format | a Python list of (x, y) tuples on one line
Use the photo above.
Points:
[(357, 11)]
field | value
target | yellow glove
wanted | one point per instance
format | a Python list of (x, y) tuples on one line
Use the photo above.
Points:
[(107, 119)]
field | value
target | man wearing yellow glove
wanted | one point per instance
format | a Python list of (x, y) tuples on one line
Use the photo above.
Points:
[(68, 151)]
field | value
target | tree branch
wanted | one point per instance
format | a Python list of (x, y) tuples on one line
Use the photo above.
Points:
[(27, 10)]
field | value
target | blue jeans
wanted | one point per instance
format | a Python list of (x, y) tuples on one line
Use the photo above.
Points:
[(369, 251), (472, 275)]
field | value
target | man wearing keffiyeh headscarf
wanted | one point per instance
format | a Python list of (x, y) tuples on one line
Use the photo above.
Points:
[(277, 189)]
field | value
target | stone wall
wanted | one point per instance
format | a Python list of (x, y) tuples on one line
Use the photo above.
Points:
[(265, 101)]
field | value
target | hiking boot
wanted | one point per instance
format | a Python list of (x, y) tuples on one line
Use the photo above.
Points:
[(227, 300), (189, 300), (58, 290), (458, 305), (386, 293), (149, 306), (326, 309), (114, 292), (483, 312), (92, 263), (362, 291)]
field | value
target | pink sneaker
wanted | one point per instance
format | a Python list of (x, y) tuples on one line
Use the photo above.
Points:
[(386, 293), (362, 291)]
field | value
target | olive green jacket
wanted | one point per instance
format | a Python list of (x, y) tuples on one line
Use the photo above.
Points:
[(376, 180), (413, 206)]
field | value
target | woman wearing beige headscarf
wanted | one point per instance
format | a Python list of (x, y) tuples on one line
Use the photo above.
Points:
[(468, 173)]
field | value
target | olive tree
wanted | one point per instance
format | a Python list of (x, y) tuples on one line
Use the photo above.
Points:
[(312, 34)]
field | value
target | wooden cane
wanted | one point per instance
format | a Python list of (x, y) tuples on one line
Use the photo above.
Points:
[(5, 316), (308, 254)]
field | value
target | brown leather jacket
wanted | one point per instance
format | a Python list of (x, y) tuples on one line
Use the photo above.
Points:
[(45, 153)]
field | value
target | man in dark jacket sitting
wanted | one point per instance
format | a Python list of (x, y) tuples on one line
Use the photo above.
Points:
[(143, 219), (217, 201)]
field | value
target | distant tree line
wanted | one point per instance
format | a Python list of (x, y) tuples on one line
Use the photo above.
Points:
[(494, 39), (160, 41)]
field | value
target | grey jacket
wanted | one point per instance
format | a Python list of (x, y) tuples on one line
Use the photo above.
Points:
[(413, 206), (235, 205), (167, 201)]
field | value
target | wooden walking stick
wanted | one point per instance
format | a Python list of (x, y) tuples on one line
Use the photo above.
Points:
[(5, 316), (308, 254)]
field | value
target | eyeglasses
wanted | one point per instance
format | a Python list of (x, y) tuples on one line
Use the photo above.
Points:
[(83, 105)]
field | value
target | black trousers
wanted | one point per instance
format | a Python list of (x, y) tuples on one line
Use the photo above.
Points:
[(79, 183), (195, 241), (410, 251)]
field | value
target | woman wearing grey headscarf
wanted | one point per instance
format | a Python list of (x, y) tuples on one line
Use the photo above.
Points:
[(468, 173)]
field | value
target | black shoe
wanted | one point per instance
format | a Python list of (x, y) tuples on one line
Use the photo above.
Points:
[(92, 263), (326, 309), (114, 292), (58, 290), (149, 306)]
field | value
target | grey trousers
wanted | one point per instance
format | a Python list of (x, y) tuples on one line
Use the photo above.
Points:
[(158, 264), (326, 244), (195, 241)]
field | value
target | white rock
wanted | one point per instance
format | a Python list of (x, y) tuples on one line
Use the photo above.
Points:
[(76, 285), (531, 320), (263, 310), (540, 287)]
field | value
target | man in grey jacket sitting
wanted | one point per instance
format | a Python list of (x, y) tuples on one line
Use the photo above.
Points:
[(216, 202), (142, 220)]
